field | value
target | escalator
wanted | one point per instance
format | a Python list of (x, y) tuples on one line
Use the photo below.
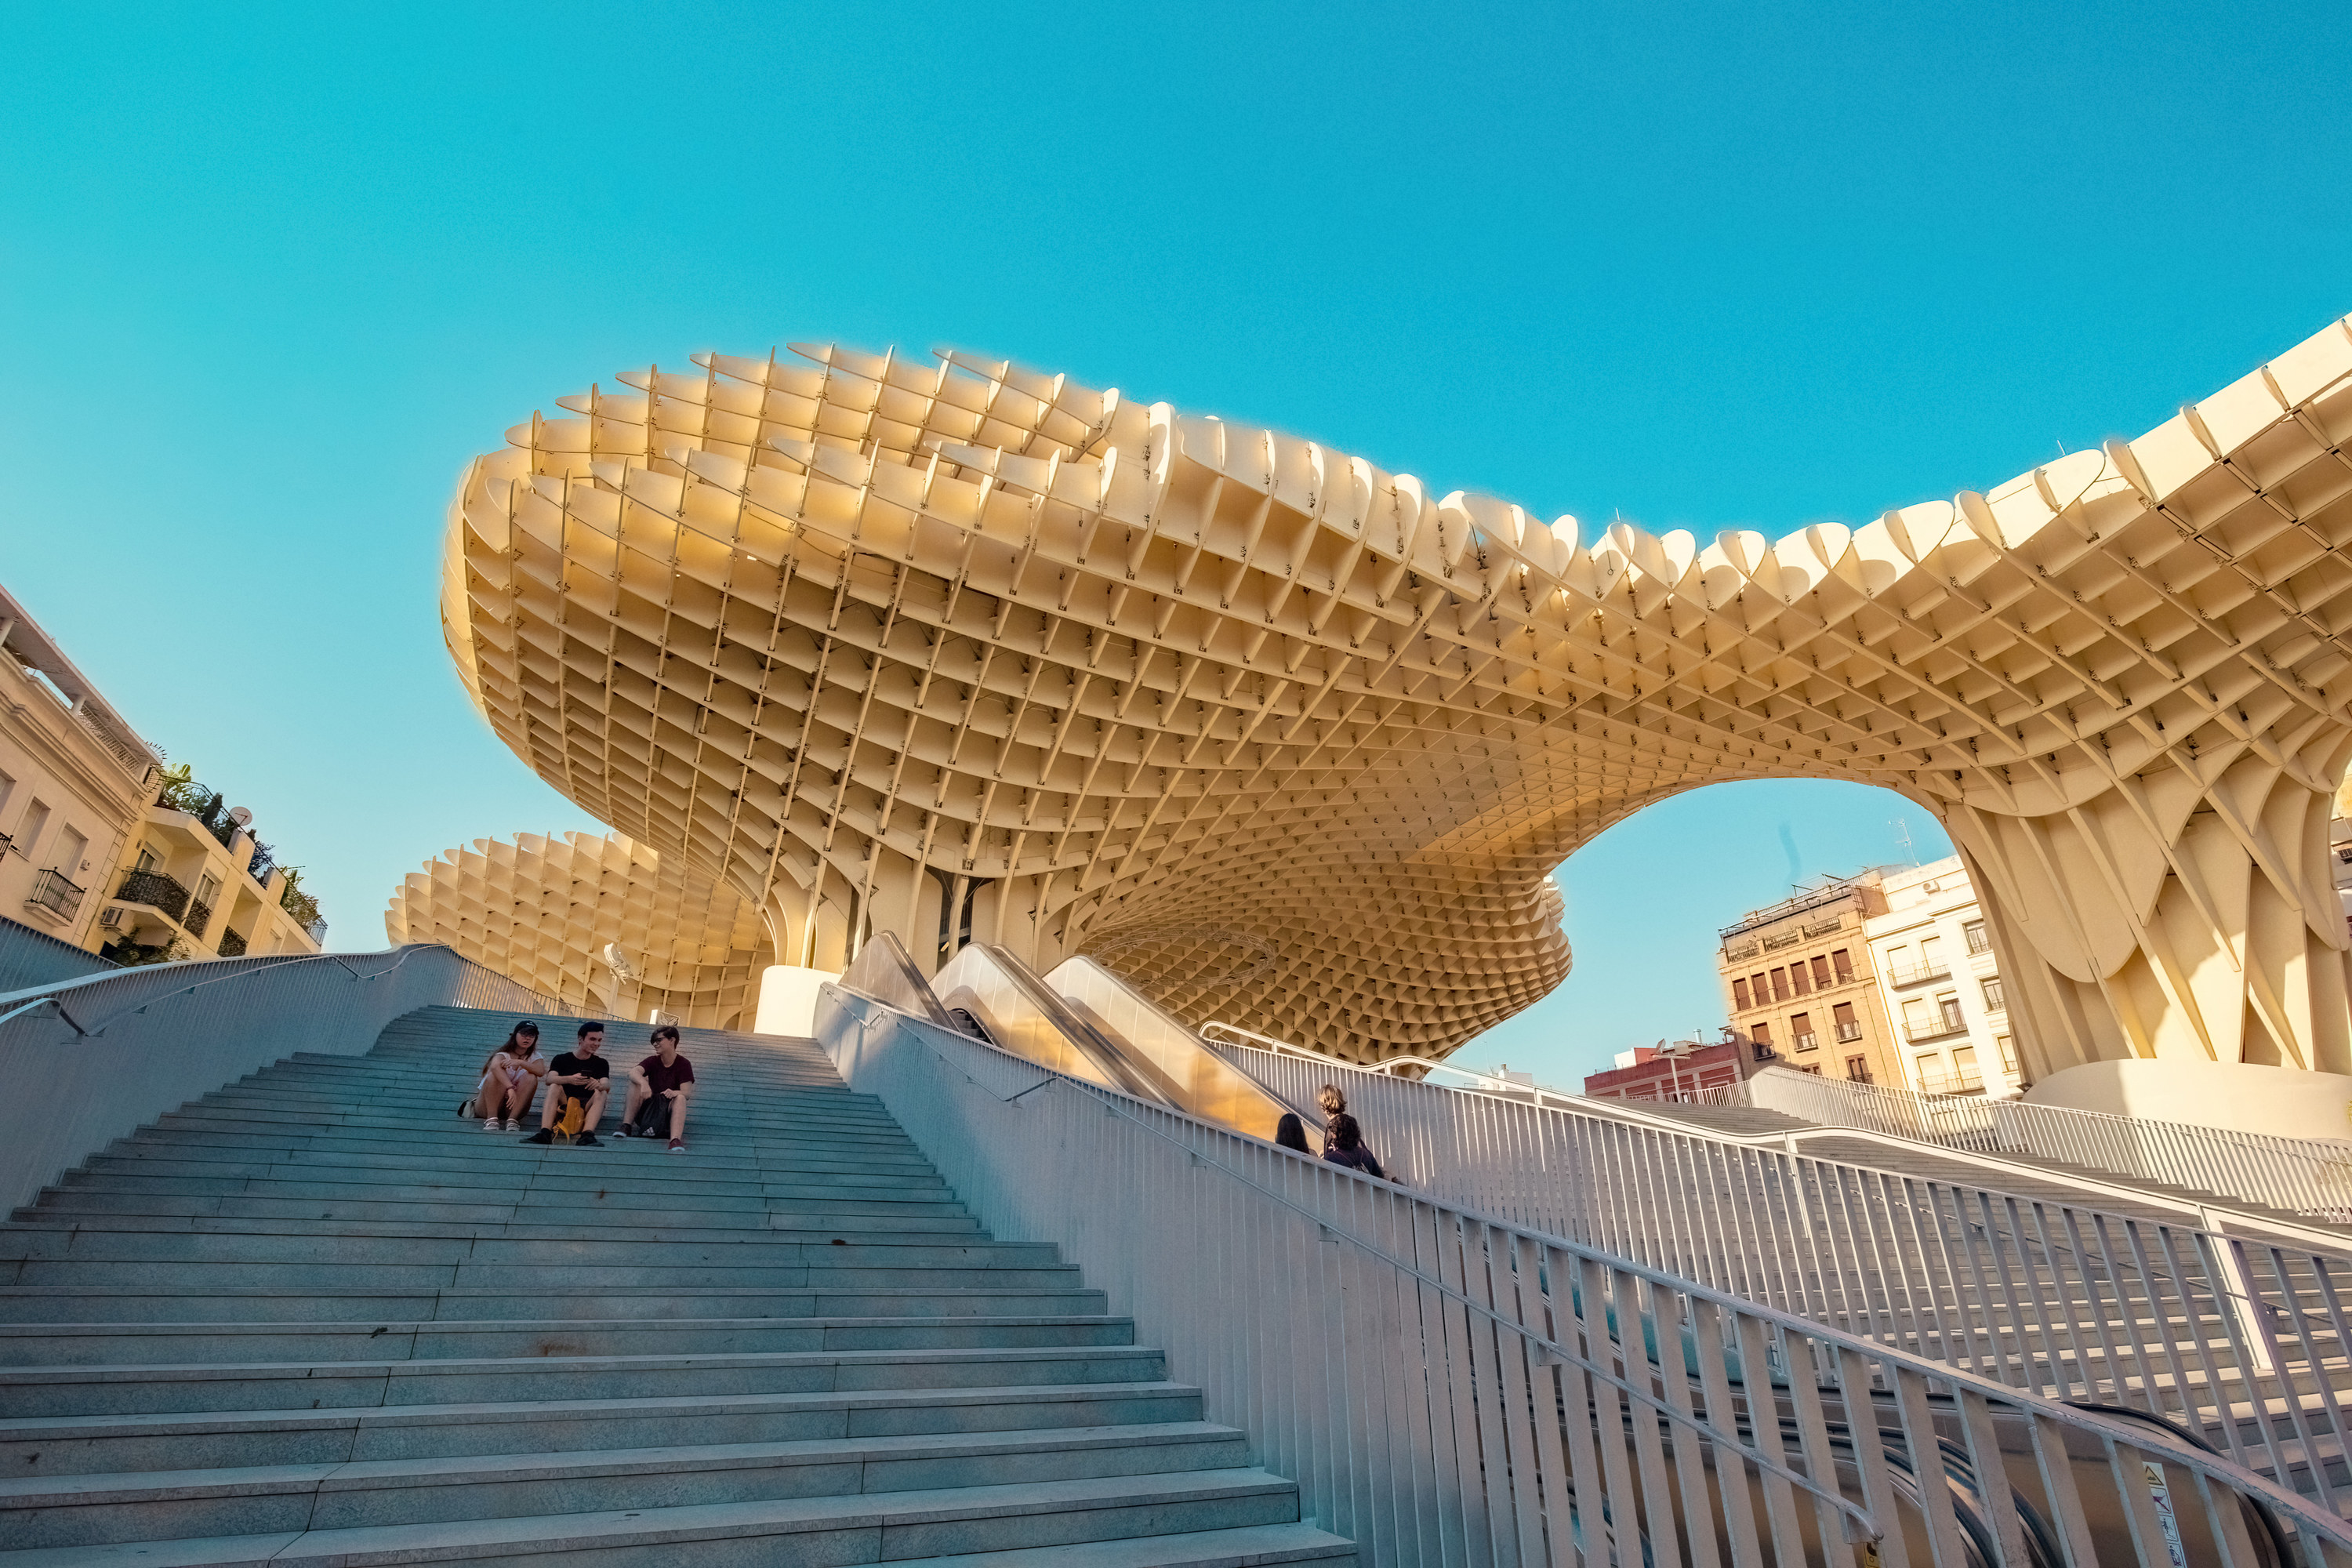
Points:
[(1081, 1020)]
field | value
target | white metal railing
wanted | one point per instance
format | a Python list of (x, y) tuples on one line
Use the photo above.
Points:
[(98, 1057), (1450, 1387), (2243, 1341), (2309, 1176)]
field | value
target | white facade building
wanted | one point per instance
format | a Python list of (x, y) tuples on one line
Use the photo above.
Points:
[(1933, 956)]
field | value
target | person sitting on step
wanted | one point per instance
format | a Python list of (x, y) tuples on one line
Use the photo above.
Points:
[(579, 1074), (658, 1088), (509, 1080)]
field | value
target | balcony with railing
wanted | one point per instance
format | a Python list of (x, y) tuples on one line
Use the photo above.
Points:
[(1848, 1033), (156, 890), (1807, 1041), (1918, 973), (232, 945), (1936, 1028), (200, 915), (52, 892), (1953, 1083)]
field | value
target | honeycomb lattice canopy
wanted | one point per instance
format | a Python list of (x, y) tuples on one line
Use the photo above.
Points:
[(968, 652), (542, 911)]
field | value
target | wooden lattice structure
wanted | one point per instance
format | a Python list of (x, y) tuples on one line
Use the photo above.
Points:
[(969, 652), (542, 910)]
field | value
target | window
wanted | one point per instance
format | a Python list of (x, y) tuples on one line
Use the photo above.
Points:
[(1931, 954), (1918, 1019), (1849, 1027), (1762, 992), (1779, 985), (1762, 1033), (1947, 1007), (1964, 1059), (1980, 940), (1857, 1069), (1843, 965), (2008, 1050), (71, 847), (1798, 982), (29, 831), (1739, 995), (209, 889), (147, 861), (1820, 973), (1930, 1067), (7, 788), (1801, 1030), (1815, 1069), (1994, 1000)]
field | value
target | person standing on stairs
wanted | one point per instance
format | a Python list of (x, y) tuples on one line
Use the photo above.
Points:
[(579, 1074), (658, 1087), (1343, 1139), (510, 1080)]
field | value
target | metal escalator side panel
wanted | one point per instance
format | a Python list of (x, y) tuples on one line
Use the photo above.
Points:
[(883, 971), (1025, 1018), (1194, 1078)]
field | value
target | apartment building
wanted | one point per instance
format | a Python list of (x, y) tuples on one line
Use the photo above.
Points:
[(1939, 980), (198, 884), (102, 847), (1798, 983), (73, 779), (1676, 1071)]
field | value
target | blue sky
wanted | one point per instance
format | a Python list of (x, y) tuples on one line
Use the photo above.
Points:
[(269, 278)]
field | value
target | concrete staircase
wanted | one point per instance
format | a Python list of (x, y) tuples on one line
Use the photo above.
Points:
[(314, 1318)]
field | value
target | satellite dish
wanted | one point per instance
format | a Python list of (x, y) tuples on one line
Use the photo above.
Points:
[(239, 815), (622, 970)]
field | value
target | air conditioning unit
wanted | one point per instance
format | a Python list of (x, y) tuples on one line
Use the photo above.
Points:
[(112, 918)]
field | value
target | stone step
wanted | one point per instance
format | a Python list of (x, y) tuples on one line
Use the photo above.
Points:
[(562, 1184), (649, 1170), (834, 1530), (146, 1506), (549, 1279), (108, 1344), (364, 1218), (94, 1206), (89, 1445), (48, 1391), (315, 1317), (325, 1242), (725, 1131), (1249, 1546), (37, 1304)]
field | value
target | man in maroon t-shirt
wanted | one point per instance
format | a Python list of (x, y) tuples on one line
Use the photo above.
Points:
[(659, 1087)]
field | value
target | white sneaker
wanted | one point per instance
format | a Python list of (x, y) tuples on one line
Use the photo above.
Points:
[(490, 1124), (512, 1125)]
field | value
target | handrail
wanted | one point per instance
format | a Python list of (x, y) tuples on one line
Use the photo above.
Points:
[(248, 969), (1503, 1086), (2048, 1295), (1110, 1102), (136, 1043), (2310, 1176), (1501, 1445)]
